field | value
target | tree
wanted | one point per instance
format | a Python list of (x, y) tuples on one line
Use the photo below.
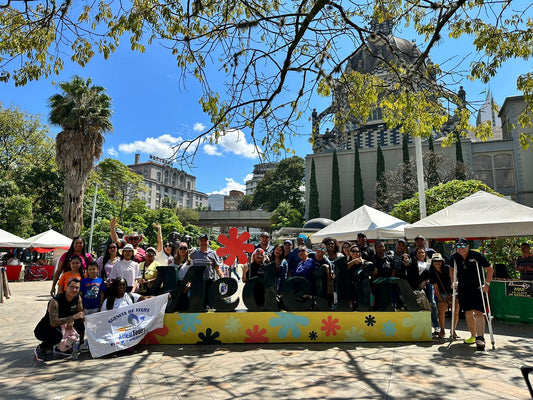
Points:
[(335, 188), (437, 198), (431, 164), (294, 46), (285, 215), (24, 142), (459, 160), (83, 111), (246, 202), (15, 209), (381, 183), (407, 176), (284, 183), (119, 182), (358, 191), (314, 208)]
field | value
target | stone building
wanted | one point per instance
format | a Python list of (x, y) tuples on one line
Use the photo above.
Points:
[(163, 181), (499, 162)]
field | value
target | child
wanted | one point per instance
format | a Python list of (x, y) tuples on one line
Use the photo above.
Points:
[(92, 294), (92, 289), (75, 272)]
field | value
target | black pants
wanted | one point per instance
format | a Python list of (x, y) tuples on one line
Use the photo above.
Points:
[(50, 336)]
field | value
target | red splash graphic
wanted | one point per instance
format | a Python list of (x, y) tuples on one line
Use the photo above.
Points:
[(330, 326), (234, 247), (256, 336)]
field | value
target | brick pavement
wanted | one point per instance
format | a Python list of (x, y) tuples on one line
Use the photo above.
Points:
[(435, 370)]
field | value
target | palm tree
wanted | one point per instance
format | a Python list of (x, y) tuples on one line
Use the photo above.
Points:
[(83, 111)]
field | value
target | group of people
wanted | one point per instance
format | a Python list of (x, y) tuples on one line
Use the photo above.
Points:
[(127, 273), (422, 267)]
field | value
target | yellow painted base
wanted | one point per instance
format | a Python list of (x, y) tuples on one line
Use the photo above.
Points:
[(292, 327)]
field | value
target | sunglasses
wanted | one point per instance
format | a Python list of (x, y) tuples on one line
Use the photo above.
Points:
[(134, 238), (355, 251), (322, 249), (112, 247), (461, 246), (302, 251), (183, 248), (168, 245), (150, 254)]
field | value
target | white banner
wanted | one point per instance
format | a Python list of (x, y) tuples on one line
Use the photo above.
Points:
[(121, 328)]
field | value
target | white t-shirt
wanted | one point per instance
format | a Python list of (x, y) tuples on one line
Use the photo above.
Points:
[(128, 270), (164, 258), (122, 302)]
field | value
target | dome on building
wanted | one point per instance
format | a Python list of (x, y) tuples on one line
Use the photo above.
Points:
[(391, 49), (317, 223)]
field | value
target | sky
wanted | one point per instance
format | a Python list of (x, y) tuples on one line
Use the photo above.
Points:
[(153, 109)]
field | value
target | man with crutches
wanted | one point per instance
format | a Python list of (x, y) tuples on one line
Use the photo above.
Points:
[(467, 271)]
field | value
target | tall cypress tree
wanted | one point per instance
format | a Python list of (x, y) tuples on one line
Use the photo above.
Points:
[(432, 175), (358, 192), (431, 145), (407, 190), (314, 210), (335, 189), (459, 161), (381, 184)]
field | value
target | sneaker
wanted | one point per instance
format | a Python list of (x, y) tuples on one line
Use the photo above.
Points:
[(84, 348), (470, 340), (40, 354), (49, 354), (480, 343), (63, 353)]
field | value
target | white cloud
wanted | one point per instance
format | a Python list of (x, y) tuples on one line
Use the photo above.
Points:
[(112, 152), (211, 150), (248, 177), (160, 146), (234, 142), (230, 185), (198, 127)]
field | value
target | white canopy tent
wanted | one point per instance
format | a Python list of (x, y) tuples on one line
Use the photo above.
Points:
[(9, 240), (481, 215), (374, 223), (50, 240)]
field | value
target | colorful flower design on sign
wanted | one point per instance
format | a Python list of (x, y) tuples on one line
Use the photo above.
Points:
[(234, 246), (355, 335), (153, 336), (256, 335), (416, 322), (209, 337), (370, 320), (389, 328), (330, 326), (189, 322), (313, 335), (232, 324), (288, 322)]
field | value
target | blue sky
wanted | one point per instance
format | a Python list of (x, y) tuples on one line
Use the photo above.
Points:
[(154, 110)]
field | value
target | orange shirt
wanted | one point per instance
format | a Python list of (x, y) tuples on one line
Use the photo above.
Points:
[(67, 276)]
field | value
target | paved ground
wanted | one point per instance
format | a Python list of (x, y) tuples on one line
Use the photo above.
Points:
[(435, 370)]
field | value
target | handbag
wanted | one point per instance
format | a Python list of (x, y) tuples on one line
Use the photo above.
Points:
[(70, 336), (422, 300)]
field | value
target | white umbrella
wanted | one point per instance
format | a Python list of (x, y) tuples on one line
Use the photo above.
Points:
[(50, 240), (9, 240), (374, 223)]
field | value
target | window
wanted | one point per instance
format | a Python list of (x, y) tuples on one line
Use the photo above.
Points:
[(159, 176), (496, 171)]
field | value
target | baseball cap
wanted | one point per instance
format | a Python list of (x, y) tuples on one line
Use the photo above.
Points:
[(287, 241), (461, 241), (420, 237), (264, 234), (150, 249), (203, 236), (402, 240)]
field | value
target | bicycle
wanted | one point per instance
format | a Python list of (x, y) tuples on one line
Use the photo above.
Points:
[(35, 272)]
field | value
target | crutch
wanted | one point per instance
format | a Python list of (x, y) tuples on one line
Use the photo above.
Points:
[(454, 296), (486, 304)]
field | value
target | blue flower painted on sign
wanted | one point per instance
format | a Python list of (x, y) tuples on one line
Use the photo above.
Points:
[(355, 335), (189, 322), (389, 328), (288, 322)]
